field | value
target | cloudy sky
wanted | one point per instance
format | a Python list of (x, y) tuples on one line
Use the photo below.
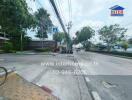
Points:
[(94, 13)]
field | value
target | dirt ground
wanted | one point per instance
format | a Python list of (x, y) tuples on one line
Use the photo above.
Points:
[(16, 88)]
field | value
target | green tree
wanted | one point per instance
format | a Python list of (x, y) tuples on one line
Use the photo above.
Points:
[(59, 37), (125, 45), (84, 36), (7, 47), (43, 23), (112, 34), (15, 19), (15, 16)]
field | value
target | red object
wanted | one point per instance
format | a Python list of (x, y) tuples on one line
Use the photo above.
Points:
[(117, 12), (46, 89)]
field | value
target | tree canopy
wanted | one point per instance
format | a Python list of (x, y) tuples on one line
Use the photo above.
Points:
[(59, 37), (15, 16), (43, 23), (15, 19), (84, 37), (85, 34), (111, 34)]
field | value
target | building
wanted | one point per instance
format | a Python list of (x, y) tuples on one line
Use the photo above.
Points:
[(2, 39), (42, 44)]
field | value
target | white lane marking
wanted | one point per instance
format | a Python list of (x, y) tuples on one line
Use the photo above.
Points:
[(96, 95), (87, 79)]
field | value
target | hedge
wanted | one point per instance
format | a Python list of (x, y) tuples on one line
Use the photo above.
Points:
[(128, 54)]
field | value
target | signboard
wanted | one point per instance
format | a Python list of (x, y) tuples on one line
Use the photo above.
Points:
[(117, 10)]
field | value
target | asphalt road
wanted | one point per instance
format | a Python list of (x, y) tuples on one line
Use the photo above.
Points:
[(81, 76), (110, 77)]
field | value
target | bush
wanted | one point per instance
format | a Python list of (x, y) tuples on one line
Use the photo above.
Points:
[(43, 49), (125, 45), (7, 47), (127, 54)]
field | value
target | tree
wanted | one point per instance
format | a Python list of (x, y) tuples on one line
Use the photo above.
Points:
[(7, 47), (59, 37), (15, 19), (111, 34), (84, 36), (125, 45), (15, 16), (43, 23)]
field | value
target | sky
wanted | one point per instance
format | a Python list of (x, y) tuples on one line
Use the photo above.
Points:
[(93, 13)]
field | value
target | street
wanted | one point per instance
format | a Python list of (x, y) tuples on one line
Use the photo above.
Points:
[(81, 76)]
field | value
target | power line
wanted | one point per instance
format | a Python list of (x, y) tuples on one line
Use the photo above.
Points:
[(70, 10), (69, 25), (61, 9), (58, 15), (68, 39)]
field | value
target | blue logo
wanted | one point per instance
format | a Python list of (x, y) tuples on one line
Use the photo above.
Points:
[(117, 10)]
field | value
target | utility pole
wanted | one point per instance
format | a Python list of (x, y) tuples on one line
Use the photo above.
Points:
[(69, 26), (68, 39)]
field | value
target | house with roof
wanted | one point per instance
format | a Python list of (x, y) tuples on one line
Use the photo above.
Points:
[(117, 10), (2, 39)]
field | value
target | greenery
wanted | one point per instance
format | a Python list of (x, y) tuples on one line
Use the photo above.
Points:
[(43, 23), (127, 54), (59, 37), (112, 34), (15, 16), (84, 37), (125, 45), (7, 47), (15, 20)]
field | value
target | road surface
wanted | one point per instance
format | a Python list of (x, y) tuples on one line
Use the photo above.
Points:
[(81, 76)]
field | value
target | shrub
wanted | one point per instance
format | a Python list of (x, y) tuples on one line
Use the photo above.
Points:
[(125, 45), (127, 54), (7, 47)]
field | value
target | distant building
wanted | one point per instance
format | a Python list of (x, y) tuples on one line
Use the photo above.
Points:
[(42, 44)]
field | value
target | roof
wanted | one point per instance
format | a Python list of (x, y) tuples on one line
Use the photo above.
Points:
[(2, 38), (116, 7), (44, 40)]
